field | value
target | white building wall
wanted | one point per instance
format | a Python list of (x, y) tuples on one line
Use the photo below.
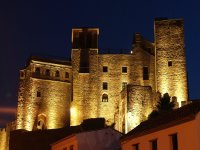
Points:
[(105, 139)]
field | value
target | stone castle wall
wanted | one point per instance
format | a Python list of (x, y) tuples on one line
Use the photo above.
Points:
[(121, 117), (84, 88), (88, 87), (21, 95), (48, 96), (3, 139), (114, 79), (49, 102), (140, 100), (5, 135), (170, 59), (53, 103), (76, 114), (142, 58)]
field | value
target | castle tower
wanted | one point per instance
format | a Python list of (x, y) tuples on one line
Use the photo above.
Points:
[(85, 74), (170, 58), (44, 94)]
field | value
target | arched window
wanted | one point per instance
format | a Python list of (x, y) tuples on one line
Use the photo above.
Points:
[(37, 70), (57, 74), (47, 72), (41, 124), (66, 75), (104, 98)]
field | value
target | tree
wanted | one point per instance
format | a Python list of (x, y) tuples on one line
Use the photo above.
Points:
[(164, 105)]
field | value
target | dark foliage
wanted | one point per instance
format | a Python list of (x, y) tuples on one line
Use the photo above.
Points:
[(164, 105)]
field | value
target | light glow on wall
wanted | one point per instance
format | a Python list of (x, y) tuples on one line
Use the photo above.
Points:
[(179, 91), (29, 122), (3, 141), (164, 85), (133, 120), (73, 116), (73, 111)]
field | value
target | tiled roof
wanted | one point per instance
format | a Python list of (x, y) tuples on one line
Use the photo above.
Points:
[(177, 116)]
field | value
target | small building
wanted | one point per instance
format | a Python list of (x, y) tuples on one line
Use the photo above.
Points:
[(177, 130), (102, 139), (90, 134)]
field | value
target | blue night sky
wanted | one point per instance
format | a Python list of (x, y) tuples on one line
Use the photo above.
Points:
[(44, 28)]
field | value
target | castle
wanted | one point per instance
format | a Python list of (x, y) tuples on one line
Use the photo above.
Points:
[(122, 88)]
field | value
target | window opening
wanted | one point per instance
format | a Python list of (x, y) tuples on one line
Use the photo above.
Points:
[(104, 98), (105, 85)]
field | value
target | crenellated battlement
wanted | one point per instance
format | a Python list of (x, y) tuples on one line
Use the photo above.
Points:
[(2, 130), (3, 139)]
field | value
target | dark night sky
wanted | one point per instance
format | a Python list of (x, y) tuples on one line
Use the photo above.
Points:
[(44, 28)]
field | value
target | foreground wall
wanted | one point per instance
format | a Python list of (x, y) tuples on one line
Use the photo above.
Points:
[(103, 139), (188, 134)]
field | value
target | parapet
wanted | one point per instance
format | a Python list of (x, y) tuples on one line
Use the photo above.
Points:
[(2, 130), (85, 38), (48, 60)]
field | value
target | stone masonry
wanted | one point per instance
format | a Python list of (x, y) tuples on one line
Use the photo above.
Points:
[(170, 67), (149, 69), (44, 95), (53, 93), (122, 88)]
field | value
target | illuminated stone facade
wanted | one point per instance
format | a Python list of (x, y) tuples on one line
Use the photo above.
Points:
[(170, 59), (150, 69), (5, 135), (114, 70), (135, 105), (44, 95), (122, 88), (3, 140)]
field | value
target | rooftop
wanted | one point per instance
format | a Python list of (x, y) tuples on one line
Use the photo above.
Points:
[(49, 60), (180, 115), (22, 139)]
